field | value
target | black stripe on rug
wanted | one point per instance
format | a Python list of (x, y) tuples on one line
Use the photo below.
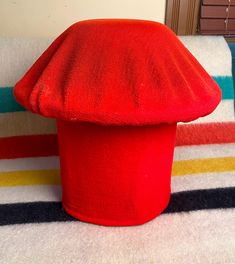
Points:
[(41, 212)]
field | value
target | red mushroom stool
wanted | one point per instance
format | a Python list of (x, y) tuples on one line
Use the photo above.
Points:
[(117, 88)]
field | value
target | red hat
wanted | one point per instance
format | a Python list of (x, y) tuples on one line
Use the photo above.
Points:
[(117, 88)]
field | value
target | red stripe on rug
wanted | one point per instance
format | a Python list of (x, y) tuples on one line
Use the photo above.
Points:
[(46, 145), (206, 133), (28, 146)]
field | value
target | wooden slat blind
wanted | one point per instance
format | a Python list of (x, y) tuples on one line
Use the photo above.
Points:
[(182, 16)]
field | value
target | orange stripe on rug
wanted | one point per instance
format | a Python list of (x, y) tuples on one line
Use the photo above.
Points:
[(28, 146), (46, 145), (209, 133)]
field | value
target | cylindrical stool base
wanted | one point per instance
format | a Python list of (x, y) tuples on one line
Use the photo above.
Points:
[(115, 175)]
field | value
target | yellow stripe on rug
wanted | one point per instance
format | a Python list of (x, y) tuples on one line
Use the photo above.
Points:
[(180, 168), (184, 167), (34, 177)]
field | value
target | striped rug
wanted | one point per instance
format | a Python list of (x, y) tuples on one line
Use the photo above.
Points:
[(197, 227)]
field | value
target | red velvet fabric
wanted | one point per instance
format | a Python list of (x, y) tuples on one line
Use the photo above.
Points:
[(117, 89), (115, 176), (117, 72)]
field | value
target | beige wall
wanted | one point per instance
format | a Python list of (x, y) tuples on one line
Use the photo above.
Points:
[(50, 17)]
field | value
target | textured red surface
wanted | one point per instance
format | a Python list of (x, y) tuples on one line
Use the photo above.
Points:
[(118, 72), (124, 84), (115, 175)]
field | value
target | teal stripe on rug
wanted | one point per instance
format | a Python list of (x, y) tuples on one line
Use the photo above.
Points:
[(226, 85), (9, 104)]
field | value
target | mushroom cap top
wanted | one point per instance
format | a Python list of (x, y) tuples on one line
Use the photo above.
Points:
[(117, 72)]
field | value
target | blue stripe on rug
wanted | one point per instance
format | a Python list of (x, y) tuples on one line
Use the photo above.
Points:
[(9, 104), (44, 212), (226, 85)]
